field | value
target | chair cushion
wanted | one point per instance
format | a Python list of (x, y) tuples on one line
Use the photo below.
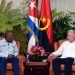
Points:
[(9, 66), (21, 60), (73, 67)]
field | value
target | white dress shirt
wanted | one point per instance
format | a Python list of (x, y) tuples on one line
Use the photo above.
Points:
[(8, 48), (67, 49)]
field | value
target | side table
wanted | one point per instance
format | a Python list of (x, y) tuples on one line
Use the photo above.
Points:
[(36, 68)]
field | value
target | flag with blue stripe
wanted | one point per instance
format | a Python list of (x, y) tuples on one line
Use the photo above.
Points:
[(32, 25)]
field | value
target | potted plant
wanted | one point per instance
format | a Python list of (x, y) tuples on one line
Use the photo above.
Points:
[(37, 53), (61, 26)]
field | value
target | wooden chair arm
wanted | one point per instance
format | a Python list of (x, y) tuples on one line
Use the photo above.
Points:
[(22, 60)]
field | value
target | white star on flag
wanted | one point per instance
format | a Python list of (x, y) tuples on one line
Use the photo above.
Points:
[(32, 5)]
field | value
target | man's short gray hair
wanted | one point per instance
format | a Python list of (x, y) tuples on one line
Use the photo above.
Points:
[(71, 31)]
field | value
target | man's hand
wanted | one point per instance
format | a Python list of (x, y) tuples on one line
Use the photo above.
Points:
[(50, 58), (10, 56), (74, 61), (18, 56)]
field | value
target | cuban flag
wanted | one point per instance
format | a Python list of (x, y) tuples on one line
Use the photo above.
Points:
[(33, 24)]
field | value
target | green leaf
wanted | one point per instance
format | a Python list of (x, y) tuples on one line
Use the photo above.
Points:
[(56, 14)]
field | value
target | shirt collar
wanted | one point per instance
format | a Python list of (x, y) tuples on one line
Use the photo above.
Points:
[(6, 40)]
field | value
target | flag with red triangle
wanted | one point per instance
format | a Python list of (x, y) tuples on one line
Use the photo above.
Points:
[(33, 24)]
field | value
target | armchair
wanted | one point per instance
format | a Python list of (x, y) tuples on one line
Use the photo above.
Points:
[(22, 59), (56, 46)]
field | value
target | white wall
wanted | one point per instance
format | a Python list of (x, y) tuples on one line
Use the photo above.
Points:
[(60, 5), (63, 5), (16, 3)]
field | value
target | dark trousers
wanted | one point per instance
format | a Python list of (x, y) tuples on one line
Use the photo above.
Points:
[(3, 65), (68, 65)]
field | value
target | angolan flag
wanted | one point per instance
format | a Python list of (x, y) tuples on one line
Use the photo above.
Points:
[(46, 30)]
